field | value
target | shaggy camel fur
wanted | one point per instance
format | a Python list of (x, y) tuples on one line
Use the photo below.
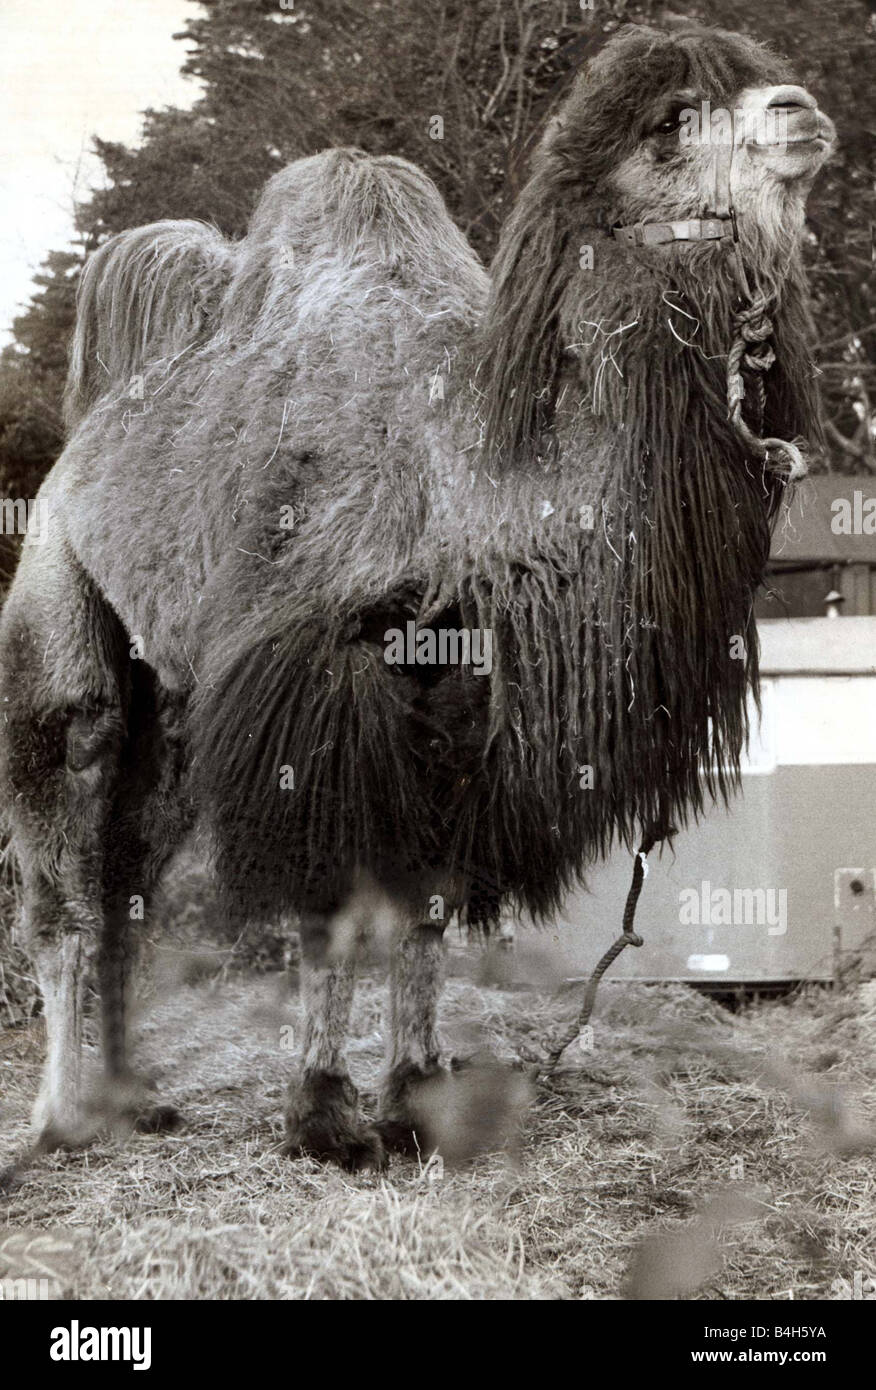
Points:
[(285, 451)]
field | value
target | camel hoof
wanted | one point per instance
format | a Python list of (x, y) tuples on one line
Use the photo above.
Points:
[(356, 1150), (127, 1104), (157, 1119), (399, 1136), (401, 1125), (11, 1179), (322, 1122)]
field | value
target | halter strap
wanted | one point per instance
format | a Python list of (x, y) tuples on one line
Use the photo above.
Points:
[(689, 229), (719, 224)]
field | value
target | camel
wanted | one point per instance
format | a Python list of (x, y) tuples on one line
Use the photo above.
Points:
[(286, 452)]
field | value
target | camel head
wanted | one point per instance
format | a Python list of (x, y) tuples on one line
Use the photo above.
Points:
[(667, 126), (662, 133)]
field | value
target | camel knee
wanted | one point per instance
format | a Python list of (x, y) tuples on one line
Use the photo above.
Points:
[(58, 772), (48, 915), (63, 693)]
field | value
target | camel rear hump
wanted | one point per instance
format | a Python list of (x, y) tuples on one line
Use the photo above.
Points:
[(147, 294)]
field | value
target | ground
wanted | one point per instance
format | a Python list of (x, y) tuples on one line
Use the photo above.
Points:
[(692, 1153)]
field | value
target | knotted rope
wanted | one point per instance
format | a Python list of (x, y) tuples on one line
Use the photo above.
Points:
[(753, 350), (628, 937)]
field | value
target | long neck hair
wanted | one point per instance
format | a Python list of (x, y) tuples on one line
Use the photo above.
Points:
[(631, 533)]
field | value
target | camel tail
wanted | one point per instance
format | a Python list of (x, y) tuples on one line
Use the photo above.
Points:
[(147, 294)]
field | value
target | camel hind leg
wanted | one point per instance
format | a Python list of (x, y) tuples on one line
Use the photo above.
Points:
[(91, 753), (148, 820), (60, 652)]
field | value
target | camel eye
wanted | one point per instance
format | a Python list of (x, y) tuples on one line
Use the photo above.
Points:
[(669, 125), (670, 122)]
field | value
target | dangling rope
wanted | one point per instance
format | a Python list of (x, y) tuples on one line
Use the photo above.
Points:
[(752, 348), (628, 937)]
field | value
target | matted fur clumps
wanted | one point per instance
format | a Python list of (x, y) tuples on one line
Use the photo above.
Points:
[(574, 487), (338, 765)]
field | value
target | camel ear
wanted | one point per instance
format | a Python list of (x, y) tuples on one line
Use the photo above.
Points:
[(146, 294)]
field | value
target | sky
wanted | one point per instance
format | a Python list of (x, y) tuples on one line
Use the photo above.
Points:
[(69, 71)]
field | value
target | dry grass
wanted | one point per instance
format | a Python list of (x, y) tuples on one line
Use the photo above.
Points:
[(691, 1154)]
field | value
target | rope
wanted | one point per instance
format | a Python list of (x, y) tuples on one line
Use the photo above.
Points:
[(628, 937), (752, 349)]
